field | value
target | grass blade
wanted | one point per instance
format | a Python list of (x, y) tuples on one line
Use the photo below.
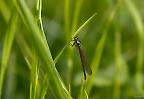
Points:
[(5, 10), (41, 48), (140, 58), (83, 25), (10, 33), (60, 53), (67, 18), (76, 15), (97, 56), (34, 76)]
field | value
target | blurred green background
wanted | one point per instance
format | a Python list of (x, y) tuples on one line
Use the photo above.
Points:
[(112, 40)]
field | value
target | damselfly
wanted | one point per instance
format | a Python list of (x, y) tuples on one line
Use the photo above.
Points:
[(85, 66)]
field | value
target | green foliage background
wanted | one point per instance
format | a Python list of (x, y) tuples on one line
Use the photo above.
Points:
[(38, 61)]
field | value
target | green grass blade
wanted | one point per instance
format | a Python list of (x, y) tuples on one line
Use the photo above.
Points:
[(44, 88), (97, 56), (60, 53), (83, 25), (5, 10), (67, 18), (136, 16), (10, 33), (76, 15), (38, 18), (86, 95), (121, 70), (41, 48), (67, 35), (34, 76), (140, 29), (25, 49), (118, 65), (34, 65)]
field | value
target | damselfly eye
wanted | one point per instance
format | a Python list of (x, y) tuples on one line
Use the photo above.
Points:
[(76, 38)]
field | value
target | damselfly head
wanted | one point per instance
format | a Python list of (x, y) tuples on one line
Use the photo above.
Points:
[(77, 41), (76, 38)]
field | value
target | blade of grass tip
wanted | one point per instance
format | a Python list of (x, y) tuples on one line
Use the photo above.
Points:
[(97, 56), (76, 15), (10, 33), (139, 26), (42, 50), (84, 25)]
